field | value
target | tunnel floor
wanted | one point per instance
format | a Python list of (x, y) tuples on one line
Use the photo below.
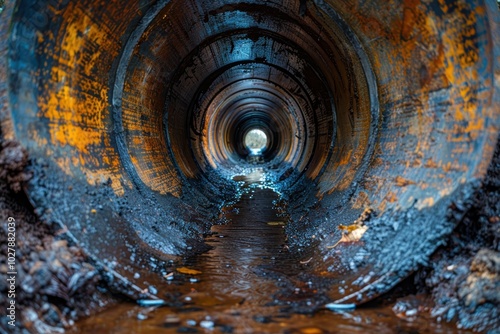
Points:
[(249, 282)]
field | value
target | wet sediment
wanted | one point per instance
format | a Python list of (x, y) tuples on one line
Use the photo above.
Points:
[(250, 281)]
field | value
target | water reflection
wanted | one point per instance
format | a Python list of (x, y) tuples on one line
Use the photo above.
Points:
[(248, 282), (251, 242)]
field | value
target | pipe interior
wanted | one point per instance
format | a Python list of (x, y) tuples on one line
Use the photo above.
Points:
[(151, 102)]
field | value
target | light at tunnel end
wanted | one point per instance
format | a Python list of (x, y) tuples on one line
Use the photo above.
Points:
[(256, 141)]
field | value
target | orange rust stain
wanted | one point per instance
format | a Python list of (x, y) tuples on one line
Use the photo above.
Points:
[(445, 191), (76, 101), (416, 55), (345, 159), (65, 164), (39, 140), (144, 134), (423, 186), (136, 140), (383, 205), (409, 22), (74, 118), (67, 126), (402, 182), (391, 197), (416, 163), (431, 164), (361, 201), (207, 149), (426, 202)]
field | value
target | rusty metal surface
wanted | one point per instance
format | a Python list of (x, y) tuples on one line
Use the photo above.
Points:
[(395, 108), (6, 128)]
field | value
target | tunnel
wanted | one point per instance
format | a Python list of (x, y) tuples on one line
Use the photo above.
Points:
[(375, 117)]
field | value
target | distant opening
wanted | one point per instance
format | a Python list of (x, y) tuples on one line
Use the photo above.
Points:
[(256, 141)]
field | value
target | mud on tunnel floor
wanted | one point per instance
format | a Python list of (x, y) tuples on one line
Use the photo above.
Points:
[(249, 282)]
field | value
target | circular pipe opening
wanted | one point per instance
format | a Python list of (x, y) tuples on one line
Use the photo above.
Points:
[(255, 141), (374, 115)]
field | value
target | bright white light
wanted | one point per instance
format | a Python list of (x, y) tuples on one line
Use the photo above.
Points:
[(256, 141)]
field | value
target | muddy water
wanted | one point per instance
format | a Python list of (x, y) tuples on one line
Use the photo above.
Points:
[(250, 283)]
